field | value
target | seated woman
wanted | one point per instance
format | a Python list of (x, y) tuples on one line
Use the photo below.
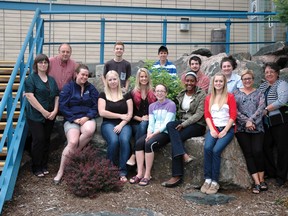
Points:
[(250, 130), (116, 111), (220, 113), (191, 123), (160, 113), (78, 105), (142, 96)]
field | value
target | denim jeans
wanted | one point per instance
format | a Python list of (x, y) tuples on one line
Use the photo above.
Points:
[(213, 148), (138, 131), (118, 145), (177, 138)]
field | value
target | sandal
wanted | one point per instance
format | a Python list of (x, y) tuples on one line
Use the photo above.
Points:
[(256, 189), (45, 171), (123, 179), (39, 174), (135, 180), (263, 186), (144, 182)]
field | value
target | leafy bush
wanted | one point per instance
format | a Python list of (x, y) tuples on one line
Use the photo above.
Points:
[(282, 9), (173, 83), (87, 173)]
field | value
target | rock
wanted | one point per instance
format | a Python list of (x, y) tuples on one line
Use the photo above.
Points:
[(242, 56), (202, 52), (278, 48), (214, 199), (233, 171)]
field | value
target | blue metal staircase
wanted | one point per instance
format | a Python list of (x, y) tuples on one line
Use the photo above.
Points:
[(14, 137)]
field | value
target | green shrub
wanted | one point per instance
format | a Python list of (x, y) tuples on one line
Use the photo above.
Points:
[(87, 173), (173, 83)]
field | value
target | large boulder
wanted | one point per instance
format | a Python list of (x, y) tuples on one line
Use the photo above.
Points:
[(233, 173)]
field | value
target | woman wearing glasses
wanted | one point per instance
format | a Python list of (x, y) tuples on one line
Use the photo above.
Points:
[(160, 113), (250, 130), (41, 110)]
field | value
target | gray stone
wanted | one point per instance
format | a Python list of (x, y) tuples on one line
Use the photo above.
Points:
[(233, 173), (242, 56), (278, 48), (202, 52), (214, 199)]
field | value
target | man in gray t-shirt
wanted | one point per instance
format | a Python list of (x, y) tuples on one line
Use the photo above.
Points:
[(120, 65)]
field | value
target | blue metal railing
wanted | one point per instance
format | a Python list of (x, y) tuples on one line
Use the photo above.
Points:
[(15, 138)]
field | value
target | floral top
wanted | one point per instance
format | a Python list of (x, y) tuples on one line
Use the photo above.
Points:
[(249, 107)]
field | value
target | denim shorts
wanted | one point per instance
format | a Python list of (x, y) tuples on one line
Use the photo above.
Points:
[(68, 125)]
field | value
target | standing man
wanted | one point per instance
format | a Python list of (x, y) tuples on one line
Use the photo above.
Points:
[(120, 65), (164, 63), (62, 67), (203, 80)]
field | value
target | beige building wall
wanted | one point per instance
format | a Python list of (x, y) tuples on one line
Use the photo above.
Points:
[(14, 26)]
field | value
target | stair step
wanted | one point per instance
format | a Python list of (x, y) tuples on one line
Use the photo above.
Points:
[(16, 114), (2, 163), (3, 125), (3, 86), (13, 94), (5, 78), (6, 70), (5, 63), (4, 152)]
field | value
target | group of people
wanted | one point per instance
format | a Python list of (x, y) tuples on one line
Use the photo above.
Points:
[(226, 105)]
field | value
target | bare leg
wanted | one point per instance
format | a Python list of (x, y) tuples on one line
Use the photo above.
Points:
[(73, 141), (140, 163), (256, 178), (87, 132), (149, 158)]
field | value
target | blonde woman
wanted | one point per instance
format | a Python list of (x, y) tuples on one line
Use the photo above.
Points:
[(116, 111), (220, 113), (142, 96)]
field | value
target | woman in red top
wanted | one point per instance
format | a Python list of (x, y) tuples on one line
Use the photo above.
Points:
[(220, 113)]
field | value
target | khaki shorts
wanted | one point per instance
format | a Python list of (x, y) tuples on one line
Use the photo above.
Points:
[(68, 125)]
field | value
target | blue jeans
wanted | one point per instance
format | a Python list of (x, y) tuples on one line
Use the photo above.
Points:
[(177, 139), (118, 144), (139, 130), (213, 148)]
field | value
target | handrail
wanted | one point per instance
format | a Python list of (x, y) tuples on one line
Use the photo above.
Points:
[(15, 138)]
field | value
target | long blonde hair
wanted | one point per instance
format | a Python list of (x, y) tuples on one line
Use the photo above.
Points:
[(107, 89), (224, 93)]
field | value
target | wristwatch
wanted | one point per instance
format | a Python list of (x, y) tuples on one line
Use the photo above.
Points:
[(267, 110)]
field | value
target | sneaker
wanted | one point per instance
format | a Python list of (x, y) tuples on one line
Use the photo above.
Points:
[(205, 187), (213, 189)]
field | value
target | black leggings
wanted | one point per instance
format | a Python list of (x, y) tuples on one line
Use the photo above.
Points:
[(155, 142), (252, 147)]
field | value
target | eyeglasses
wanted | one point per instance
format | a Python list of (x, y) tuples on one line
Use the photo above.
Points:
[(247, 79), (160, 91), (43, 62)]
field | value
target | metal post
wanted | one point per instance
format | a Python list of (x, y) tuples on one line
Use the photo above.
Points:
[(164, 32), (102, 40), (227, 45)]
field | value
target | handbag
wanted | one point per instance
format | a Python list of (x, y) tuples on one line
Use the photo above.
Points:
[(279, 118)]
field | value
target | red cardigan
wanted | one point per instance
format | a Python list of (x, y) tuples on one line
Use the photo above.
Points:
[(232, 109)]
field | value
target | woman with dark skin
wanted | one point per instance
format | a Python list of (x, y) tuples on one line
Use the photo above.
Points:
[(190, 124)]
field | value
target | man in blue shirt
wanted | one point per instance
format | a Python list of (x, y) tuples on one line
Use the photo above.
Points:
[(163, 62)]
